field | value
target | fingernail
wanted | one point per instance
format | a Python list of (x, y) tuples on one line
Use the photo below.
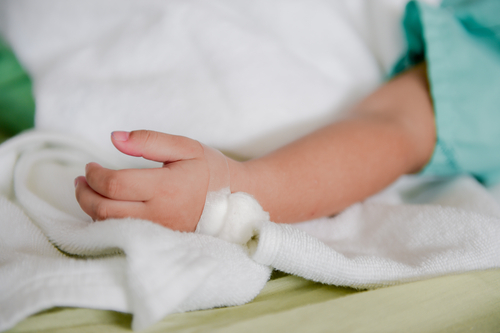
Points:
[(76, 181), (120, 135)]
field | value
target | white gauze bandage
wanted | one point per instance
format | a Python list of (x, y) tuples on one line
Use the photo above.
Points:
[(234, 217)]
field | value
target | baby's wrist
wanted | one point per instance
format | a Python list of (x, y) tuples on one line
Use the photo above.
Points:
[(218, 167), (239, 174), (230, 212)]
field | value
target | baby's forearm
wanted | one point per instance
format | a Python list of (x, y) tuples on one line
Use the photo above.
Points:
[(389, 134)]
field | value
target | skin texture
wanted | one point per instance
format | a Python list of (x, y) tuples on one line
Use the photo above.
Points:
[(390, 133), (172, 196)]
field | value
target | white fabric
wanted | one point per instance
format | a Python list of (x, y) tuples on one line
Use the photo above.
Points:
[(418, 228), (235, 217), (159, 271), (243, 76)]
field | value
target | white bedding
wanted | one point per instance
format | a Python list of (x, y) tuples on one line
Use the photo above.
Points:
[(241, 76), (416, 229), (244, 77)]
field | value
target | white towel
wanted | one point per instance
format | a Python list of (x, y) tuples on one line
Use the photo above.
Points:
[(154, 271), (418, 228), (243, 76)]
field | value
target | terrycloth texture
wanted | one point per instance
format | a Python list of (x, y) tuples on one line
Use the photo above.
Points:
[(451, 304), (416, 229), (94, 76), (161, 271)]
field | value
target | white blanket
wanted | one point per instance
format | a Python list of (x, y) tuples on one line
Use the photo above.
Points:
[(243, 76), (418, 228), (142, 268)]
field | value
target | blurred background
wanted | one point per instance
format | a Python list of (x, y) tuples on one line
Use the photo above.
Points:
[(243, 76)]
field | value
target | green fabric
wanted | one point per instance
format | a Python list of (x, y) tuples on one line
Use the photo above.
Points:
[(457, 303), (460, 41), (17, 107)]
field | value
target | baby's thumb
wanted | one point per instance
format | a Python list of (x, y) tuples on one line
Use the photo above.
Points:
[(156, 146)]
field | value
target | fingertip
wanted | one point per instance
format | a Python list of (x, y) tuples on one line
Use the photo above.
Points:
[(92, 165), (80, 180), (120, 140), (124, 142)]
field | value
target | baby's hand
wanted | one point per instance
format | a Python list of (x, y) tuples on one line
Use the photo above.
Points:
[(173, 195)]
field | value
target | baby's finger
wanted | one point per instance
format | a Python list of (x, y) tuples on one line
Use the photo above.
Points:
[(127, 184), (157, 146), (100, 208)]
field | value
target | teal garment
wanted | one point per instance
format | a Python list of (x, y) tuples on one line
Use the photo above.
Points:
[(460, 41), (17, 106)]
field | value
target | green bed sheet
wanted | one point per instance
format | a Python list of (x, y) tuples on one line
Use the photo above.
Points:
[(460, 303)]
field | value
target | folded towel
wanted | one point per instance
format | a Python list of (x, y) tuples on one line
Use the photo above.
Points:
[(245, 77), (379, 244), (386, 240), (52, 254)]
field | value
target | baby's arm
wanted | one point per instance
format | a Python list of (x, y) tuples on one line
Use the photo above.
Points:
[(389, 134)]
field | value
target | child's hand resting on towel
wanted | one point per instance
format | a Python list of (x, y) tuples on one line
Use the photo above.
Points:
[(173, 195), (389, 134)]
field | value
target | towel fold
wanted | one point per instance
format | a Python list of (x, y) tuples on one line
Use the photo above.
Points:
[(241, 76), (374, 244), (52, 254)]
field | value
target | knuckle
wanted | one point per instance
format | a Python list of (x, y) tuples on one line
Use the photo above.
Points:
[(101, 211), (89, 175), (93, 176), (191, 148), (78, 195), (197, 148), (150, 139), (111, 186)]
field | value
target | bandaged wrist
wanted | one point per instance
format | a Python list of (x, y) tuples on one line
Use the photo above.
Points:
[(234, 217)]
